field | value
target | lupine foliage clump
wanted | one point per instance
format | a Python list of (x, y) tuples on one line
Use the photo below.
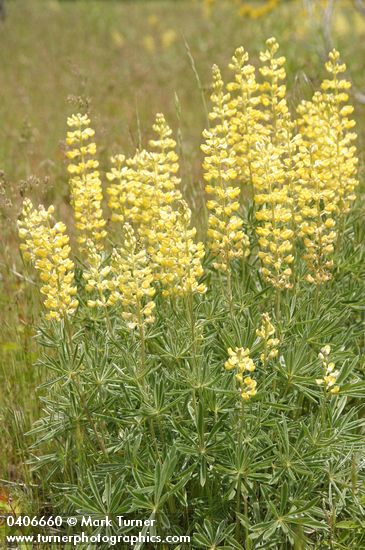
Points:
[(216, 386)]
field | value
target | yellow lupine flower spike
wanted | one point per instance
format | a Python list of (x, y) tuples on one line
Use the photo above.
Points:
[(132, 281), (248, 388), (274, 216), (317, 204), (176, 257), (273, 91), (239, 360), (340, 136), (246, 121), (266, 334), (159, 175), (164, 146), (139, 187), (85, 184), (47, 246), (131, 193), (167, 164), (32, 223), (226, 237), (119, 188), (328, 175), (279, 126), (330, 373), (97, 277)]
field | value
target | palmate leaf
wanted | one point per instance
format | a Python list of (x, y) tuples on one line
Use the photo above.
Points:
[(350, 525), (356, 390), (93, 503), (211, 536)]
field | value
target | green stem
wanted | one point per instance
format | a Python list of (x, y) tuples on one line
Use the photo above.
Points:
[(229, 291), (90, 419), (154, 438), (141, 376), (316, 298), (107, 320), (83, 402), (142, 341), (191, 320), (278, 309), (241, 477), (323, 408)]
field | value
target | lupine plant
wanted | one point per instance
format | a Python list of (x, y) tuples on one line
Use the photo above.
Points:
[(216, 386)]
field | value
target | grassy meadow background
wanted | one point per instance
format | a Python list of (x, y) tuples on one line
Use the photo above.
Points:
[(123, 62)]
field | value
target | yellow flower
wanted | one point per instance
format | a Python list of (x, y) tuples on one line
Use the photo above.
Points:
[(317, 204), (254, 12), (176, 258), (132, 281), (226, 237), (239, 360), (47, 246), (325, 351), (97, 278), (265, 333), (131, 190), (266, 329), (119, 188), (164, 164), (280, 128), (328, 172), (208, 5), (340, 136), (273, 91), (248, 388), (145, 194), (149, 43), (152, 20), (85, 184), (330, 374), (246, 118), (139, 187), (275, 236), (168, 38), (118, 38)]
